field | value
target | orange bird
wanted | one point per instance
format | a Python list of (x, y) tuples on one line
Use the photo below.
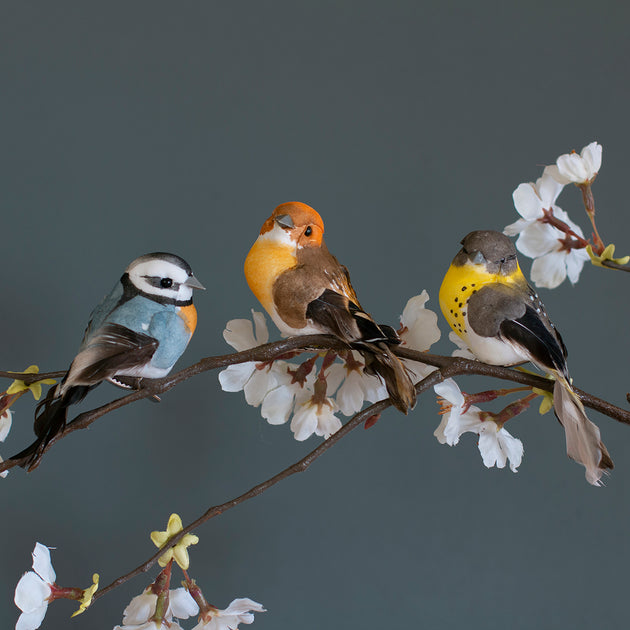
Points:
[(307, 291)]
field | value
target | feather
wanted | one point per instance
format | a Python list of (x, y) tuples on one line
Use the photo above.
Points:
[(584, 443)]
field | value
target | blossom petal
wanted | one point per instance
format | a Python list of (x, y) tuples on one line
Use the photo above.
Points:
[(235, 377), (421, 324), (527, 202), (278, 404), (139, 609), (549, 188), (592, 156), (258, 386), (538, 239), (181, 604), (489, 447), (31, 620), (575, 261), (260, 324), (350, 395), (449, 390), (239, 333), (42, 564), (31, 593), (516, 228), (549, 271), (304, 422)]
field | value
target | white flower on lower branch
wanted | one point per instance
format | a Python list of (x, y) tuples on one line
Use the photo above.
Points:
[(137, 615), (239, 611), (496, 445), (34, 589)]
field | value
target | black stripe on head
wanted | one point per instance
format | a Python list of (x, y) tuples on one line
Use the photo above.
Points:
[(130, 290)]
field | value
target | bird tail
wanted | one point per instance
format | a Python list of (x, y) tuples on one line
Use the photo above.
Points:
[(50, 419), (380, 360), (584, 443)]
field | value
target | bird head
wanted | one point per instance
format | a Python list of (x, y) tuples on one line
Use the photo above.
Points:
[(163, 277), (295, 224), (490, 249)]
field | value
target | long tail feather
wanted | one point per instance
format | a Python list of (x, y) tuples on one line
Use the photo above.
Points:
[(380, 360), (584, 443), (50, 419)]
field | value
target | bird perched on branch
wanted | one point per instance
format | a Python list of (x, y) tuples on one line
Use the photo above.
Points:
[(138, 331), (489, 304), (307, 291)]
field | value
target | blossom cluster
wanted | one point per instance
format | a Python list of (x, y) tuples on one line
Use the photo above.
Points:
[(284, 389), (545, 231)]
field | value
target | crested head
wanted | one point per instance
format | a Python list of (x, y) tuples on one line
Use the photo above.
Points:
[(163, 277), (294, 223), (494, 250)]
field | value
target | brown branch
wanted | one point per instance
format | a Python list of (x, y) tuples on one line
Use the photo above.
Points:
[(452, 365), (611, 264), (30, 377)]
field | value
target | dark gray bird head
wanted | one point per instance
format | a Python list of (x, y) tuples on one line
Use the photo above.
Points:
[(494, 250)]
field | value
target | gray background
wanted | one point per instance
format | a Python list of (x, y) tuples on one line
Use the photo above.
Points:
[(129, 127)]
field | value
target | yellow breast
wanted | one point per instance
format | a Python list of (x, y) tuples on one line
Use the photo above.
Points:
[(460, 282), (266, 260)]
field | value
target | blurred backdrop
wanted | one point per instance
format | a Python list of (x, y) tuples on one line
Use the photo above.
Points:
[(135, 127)]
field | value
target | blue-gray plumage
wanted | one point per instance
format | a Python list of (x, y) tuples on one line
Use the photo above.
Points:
[(139, 330)]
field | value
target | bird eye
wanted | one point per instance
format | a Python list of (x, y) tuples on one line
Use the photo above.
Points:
[(308, 231), (166, 283)]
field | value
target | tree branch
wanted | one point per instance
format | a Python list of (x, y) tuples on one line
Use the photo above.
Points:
[(452, 365)]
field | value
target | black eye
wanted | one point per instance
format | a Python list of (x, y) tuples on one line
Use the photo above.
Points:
[(308, 231), (166, 283)]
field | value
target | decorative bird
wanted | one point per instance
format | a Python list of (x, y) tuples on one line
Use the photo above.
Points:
[(307, 291), (489, 304), (138, 331)]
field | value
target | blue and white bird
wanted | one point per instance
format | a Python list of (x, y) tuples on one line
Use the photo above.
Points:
[(138, 331)]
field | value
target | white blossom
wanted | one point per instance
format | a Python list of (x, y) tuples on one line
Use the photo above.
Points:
[(354, 385), (313, 417), (578, 169), (543, 242), (419, 332), (34, 589), (239, 611), (137, 615), (496, 445)]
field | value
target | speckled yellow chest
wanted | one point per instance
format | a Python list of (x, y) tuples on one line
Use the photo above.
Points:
[(460, 282), (266, 260)]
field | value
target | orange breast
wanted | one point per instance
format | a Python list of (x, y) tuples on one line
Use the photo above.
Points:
[(189, 315), (264, 263)]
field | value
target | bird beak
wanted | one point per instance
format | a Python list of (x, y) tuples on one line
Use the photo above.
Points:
[(478, 258), (193, 283), (285, 221)]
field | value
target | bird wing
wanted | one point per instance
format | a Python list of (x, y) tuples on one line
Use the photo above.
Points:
[(110, 349), (520, 319), (342, 317)]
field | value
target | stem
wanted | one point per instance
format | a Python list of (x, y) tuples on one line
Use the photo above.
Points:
[(589, 204)]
